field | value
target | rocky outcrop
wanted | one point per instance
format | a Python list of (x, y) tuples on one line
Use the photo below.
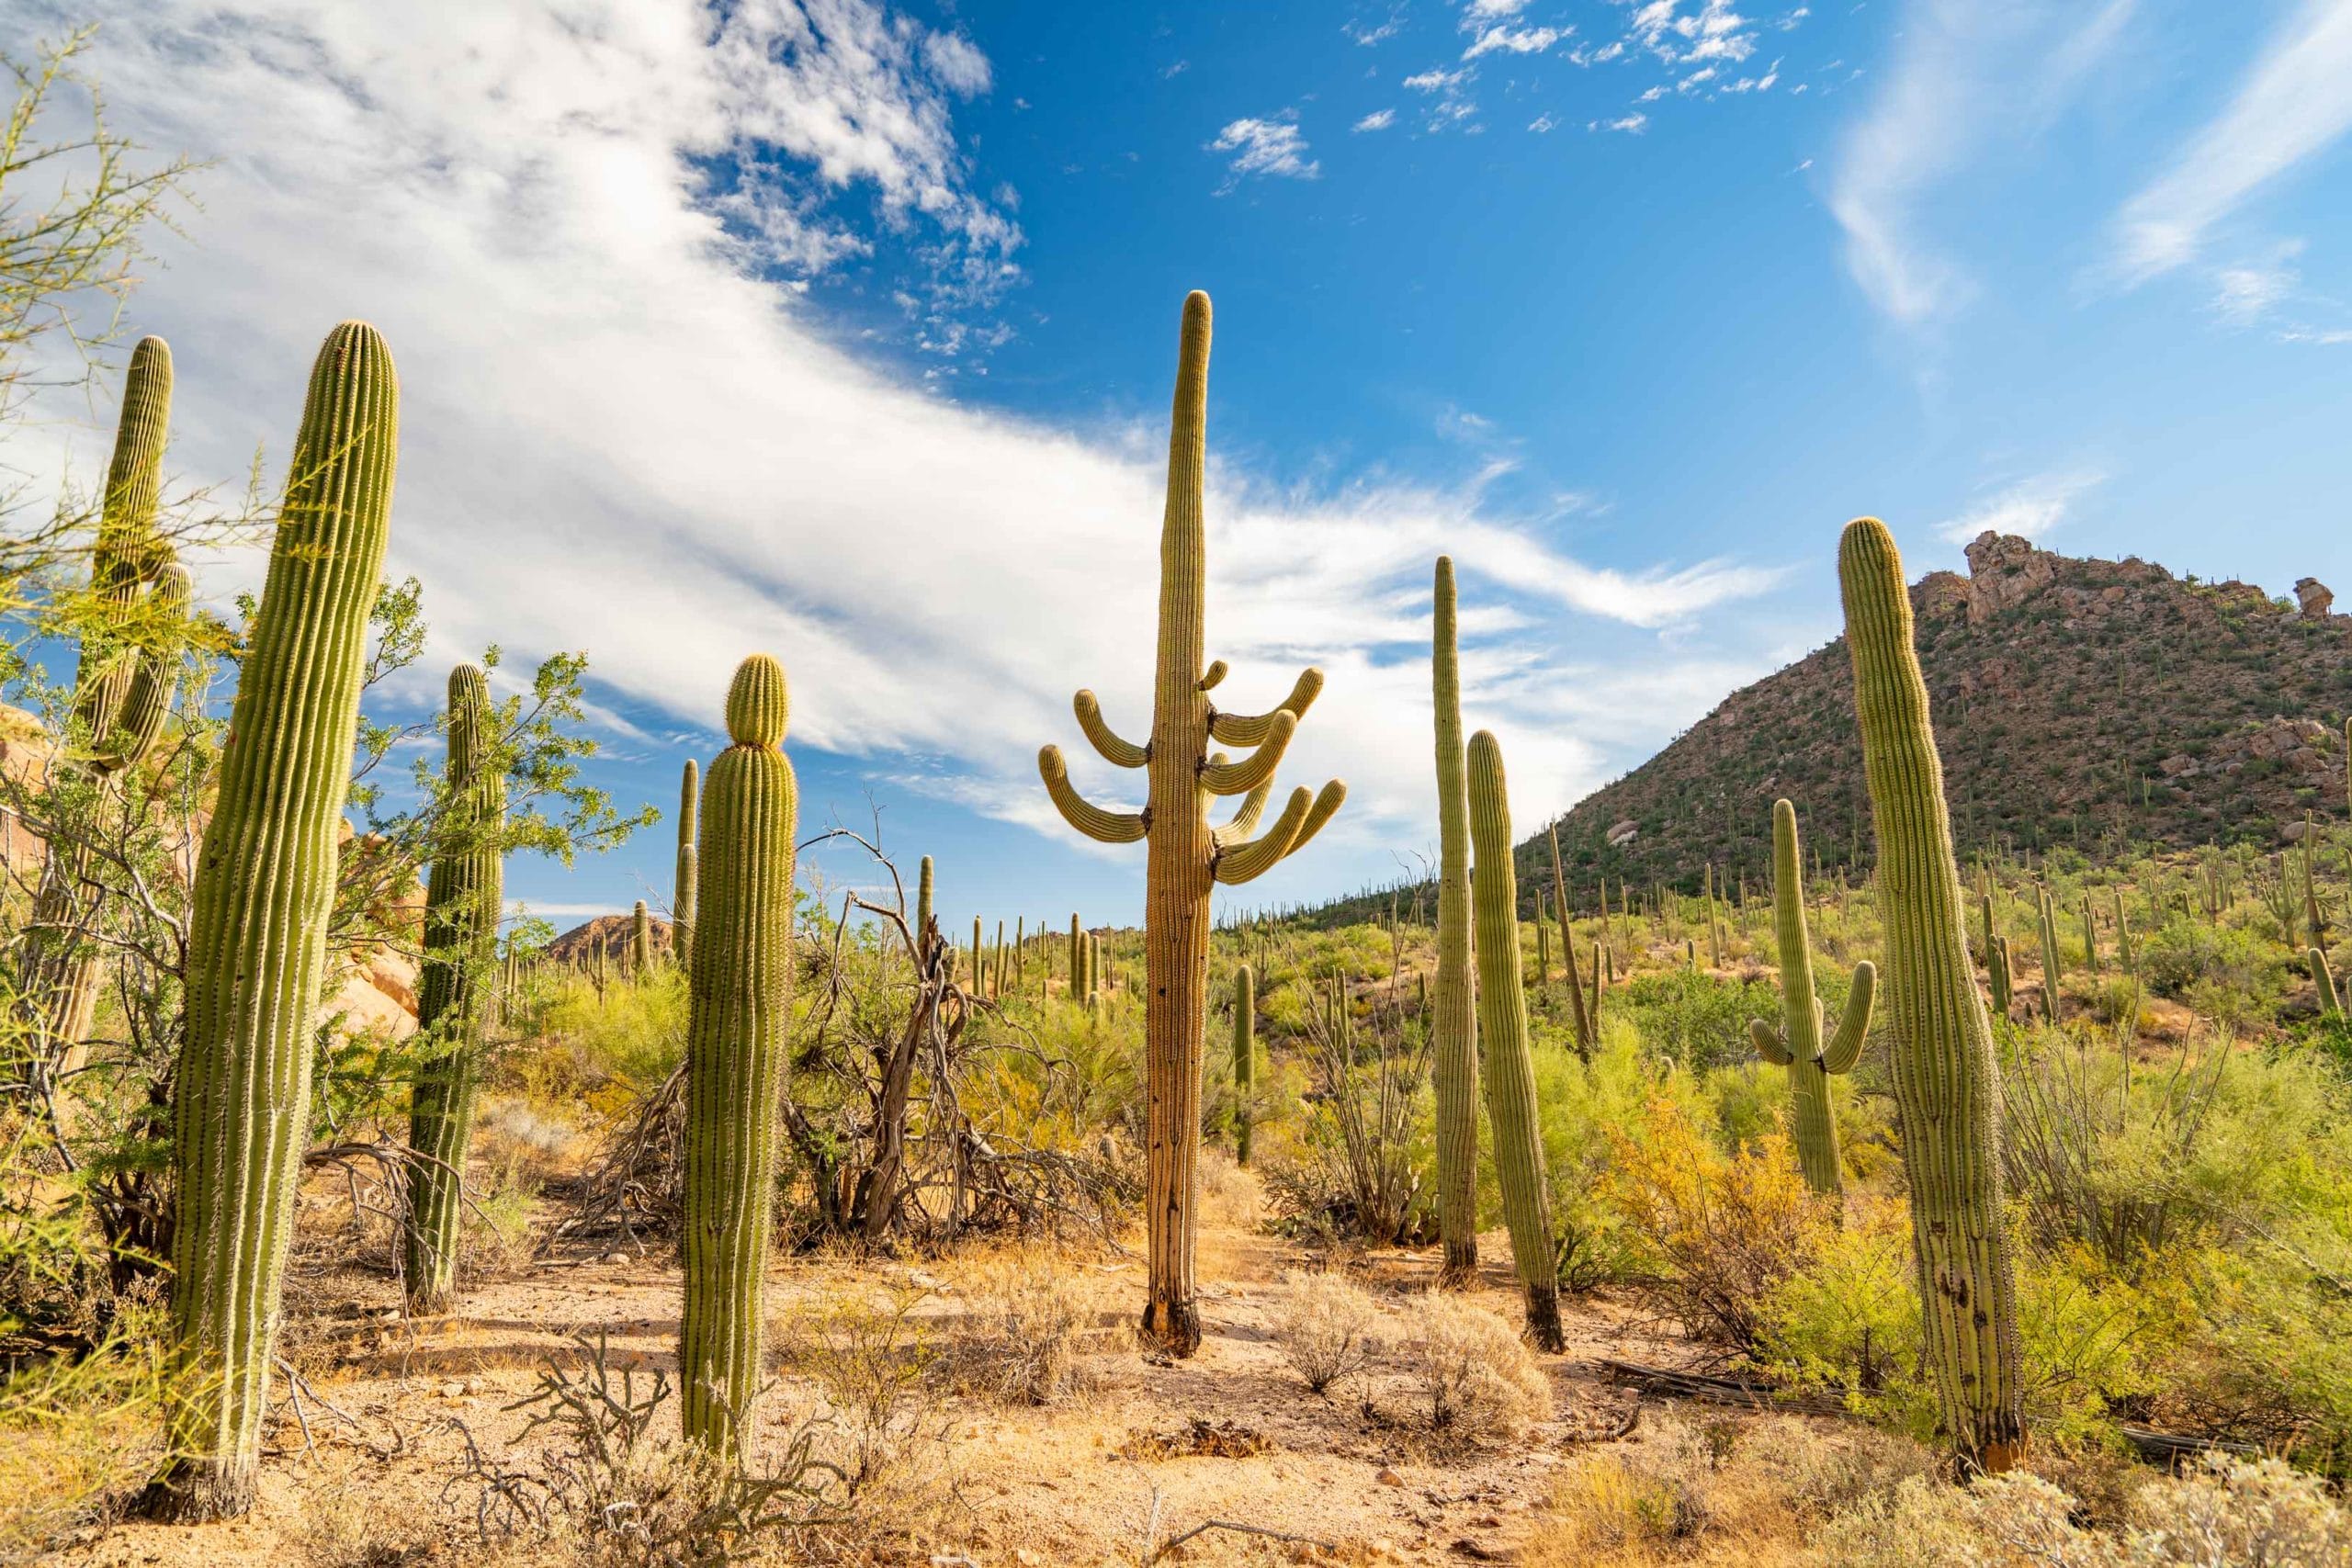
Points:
[(2004, 572), (2312, 598)]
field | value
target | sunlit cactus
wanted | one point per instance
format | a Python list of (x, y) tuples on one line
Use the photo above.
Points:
[(640, 942), (1245, 1059), (462, 903), (1454, 1022), (682, 896), (1797, 1045), (2331, 1000), (1508, 1075), (263, 897), (1947, 1080), (740, 1007), (1186, 857)]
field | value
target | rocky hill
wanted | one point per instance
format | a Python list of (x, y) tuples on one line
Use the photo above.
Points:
[(2077, 703)]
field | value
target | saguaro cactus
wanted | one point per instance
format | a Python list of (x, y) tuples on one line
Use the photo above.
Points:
[(462, 903), (264, 887), (1453, 1020), (1585, 1020), (129, 671), (922, 898), (1245, 1059), (640, 942), (739, 1004), (1509, 1068), (1797, 1045), (2331, 1000), (2050, 962), (1947, 1082), (1186, 856), (682, 896)]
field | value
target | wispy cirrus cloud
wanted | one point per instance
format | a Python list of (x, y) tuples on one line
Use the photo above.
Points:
[(2293, 101), (1964, 73), (2029, 507), (1378, 119)]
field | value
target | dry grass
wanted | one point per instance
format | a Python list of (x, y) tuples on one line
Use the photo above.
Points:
[(1327, 1327), (73, 1438), (1477, 1382), (1022, 1342)]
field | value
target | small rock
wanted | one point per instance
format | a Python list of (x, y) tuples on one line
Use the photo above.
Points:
[(1388, 1477), (1026, 1558), (452, 1390)]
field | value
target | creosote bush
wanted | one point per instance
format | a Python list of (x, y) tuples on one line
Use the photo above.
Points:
[(1021, 1343)]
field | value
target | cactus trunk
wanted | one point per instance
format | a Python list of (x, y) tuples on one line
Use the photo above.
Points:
[(1947, 1082), (682, 896), (1245, 1059), (462, 903), (1799, 1045), (1185, 857), (1454, 1022), (739, 1004), (640, 942), (265, 888), (1508, 1071)]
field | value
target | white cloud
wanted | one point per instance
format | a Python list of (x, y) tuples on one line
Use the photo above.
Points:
[(1378, 119), (622, 432), (2030, 507), (2294, 100), (1275, 148), (1963, 73), (1634, 124), (1368, 37), (1541, 123), (1436, 81), (1478, 11), (1514, 40), (2246, 292), (957, 62)]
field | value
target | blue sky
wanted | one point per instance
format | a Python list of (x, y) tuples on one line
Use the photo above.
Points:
[(845, 331)]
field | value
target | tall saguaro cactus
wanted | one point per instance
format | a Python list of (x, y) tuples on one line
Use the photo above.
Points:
[(123, 688), (1245, 1059), (740, 1001), (923, 899), (682, 896), (1797, 1045), (1947, 1081), (265, 888), (462, 903), (1185, 857), (1509, 1067), (640, 942), (1453, 1020)]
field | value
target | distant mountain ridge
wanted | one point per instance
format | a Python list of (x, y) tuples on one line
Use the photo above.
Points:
[(2077, 702)]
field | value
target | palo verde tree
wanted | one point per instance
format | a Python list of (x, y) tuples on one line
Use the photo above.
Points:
[(1185, 857)]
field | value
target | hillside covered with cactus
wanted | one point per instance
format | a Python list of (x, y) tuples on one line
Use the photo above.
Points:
[(2078, 702)]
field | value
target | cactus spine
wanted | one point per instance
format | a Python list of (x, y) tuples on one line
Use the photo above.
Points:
[(1797, 1045), (1454, 1022), (1509, 1073), (1245, 1058), (1186, 858), (682, 896), (640, 942), (1947, 1084), (462, 903), (739, 1004), (264, 887)]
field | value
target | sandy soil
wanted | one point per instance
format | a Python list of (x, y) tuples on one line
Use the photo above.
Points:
[(1042, 1485)]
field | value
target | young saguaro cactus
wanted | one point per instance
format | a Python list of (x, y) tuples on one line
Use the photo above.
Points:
[(462, 903), (264, 892), (640, 942), (739, 1002), (922, 898), (682, 894), (1245, 1059), (1797, 1043), (1185, 857), (1509, 1067), (1453, 1020), (1947, 1080)]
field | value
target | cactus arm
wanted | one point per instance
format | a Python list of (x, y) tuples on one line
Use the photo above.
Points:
[(1845, 1047), (1104, 827), (1247, 861), (154, 678), (1245, 821), (1234, 730), (1240, 778), (1213, 676), (1328, 801), (1767, 1041), (1117, 752)]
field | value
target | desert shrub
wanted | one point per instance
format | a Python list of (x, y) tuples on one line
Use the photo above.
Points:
[(1359, 1170), (874, 1362), (1717, 1233), (2211, 965), (1697, 1021), (1326, 1327), (1847, 1319), (1578, 1101), (1477, 1382), (1657, 1491), (74, 1433), (1021, 1343), (635, 1032)]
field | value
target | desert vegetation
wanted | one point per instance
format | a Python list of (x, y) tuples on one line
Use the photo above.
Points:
[(1536, 1217)]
